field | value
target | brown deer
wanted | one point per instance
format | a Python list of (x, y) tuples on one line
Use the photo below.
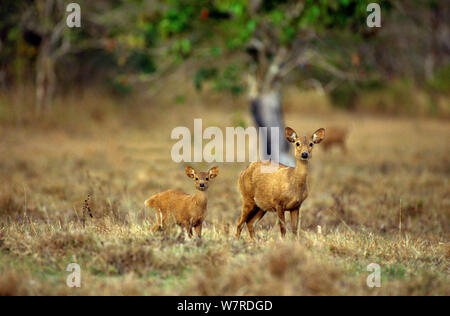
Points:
[(335, 136), (187, 211), (279, 191)]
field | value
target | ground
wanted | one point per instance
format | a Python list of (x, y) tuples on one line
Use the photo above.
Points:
[(385, 201)]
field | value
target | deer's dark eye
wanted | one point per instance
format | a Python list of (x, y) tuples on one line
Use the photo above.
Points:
[(196, 179), (298, 144), (207, 179), (311, 144)]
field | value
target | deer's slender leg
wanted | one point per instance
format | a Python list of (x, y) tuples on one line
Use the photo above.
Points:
[(198, 230), (280, 213), (247, 209), (186, 225), (294, 220), (251, 221)]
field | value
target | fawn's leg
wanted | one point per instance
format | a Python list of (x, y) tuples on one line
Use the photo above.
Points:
[(159, 221), (247, 209), (198, 230), (294, 220), (252, 220), (280, 213)]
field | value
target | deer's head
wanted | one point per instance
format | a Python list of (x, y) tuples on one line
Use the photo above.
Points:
[(202, 179), (303, 144)]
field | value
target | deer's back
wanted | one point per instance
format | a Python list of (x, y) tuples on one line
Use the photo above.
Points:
[(179, 205), (170, 201)]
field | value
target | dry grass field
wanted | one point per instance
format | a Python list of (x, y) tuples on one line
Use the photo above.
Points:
[(386, 201)]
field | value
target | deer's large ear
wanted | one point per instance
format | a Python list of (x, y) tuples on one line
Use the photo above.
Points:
[(290, 134), (190, 172), (318, 135), (213, 172)]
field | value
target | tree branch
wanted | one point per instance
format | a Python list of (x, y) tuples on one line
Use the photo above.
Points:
[(319, 61)]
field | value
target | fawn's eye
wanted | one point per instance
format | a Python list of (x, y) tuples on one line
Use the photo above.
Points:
[(298, 144), (207, 179), (311, 144), (196, 179)]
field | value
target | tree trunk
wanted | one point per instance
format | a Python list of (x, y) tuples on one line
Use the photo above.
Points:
[(45, 77), (266, 111)]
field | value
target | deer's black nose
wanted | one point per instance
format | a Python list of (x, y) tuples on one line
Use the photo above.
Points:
[(202, 185), (305, 155)]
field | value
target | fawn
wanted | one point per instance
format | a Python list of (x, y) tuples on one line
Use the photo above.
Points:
[(184, 209), (279, 191), (335, 136)]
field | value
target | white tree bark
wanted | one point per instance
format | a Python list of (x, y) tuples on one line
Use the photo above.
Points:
[(267, 112)]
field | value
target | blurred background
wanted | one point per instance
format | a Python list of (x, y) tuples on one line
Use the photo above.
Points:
[(232, 50)]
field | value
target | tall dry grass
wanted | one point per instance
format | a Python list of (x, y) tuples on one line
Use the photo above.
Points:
[(118, 150)]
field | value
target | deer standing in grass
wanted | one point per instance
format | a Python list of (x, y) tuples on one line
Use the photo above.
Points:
[(336, 137), (187, 211), (279, 191)]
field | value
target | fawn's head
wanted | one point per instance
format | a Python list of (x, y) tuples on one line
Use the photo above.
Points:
[(304, 144), (202, 179)]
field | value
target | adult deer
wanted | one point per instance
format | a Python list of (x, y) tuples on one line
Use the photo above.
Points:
[(279, 191)]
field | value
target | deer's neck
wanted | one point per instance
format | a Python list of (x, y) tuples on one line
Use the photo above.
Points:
[(300, 172), (200, 198)]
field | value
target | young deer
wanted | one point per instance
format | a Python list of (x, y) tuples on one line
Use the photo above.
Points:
[(279, 191), (185, 210)]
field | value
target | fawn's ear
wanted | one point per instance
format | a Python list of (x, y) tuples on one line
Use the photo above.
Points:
[(190, 172), (290, 134), (213, 172), (318, 135)]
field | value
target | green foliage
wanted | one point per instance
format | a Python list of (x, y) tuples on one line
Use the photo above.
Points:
[(327, 14), (345, 96), (227, 80), (441, 80), (204, 74), (141, 61), (148, 36), (120, 86), (394, 271), (347, 93), (228, 26), (181, 48), (176, 18)]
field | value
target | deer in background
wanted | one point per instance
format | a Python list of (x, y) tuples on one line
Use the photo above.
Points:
[(187, 211), (279, 191), (335, 136)]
